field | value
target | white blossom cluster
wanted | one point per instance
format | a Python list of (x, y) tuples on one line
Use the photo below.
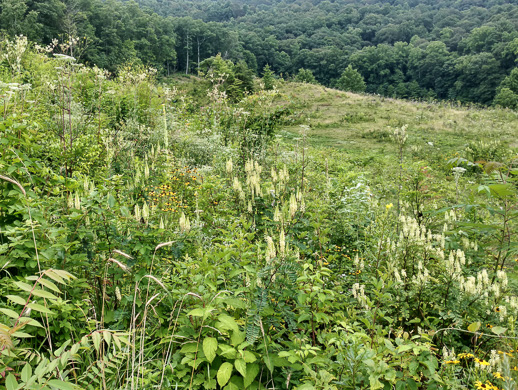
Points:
[(419, 250), (254, 186), (400, 135), (420, 257), (14, 51), (358, 292), (278, 252)]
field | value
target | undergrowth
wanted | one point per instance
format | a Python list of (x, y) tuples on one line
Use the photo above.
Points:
[(156, 237)]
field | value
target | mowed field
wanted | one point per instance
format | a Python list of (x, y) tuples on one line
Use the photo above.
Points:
[(358, 122)]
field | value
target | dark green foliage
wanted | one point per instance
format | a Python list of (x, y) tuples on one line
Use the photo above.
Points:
[(305, 76), (506, 98), (479, 75), (245, 75), (236, 80), (268, 78), (17, 19), (445, 50), (507, 95), (351, 80)]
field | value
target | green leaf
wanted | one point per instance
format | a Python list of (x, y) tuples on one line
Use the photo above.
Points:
[(30, 321), (42, 367), (474, 326), (484, 189), (116, 341), (199, 312), (412, 384), (43, 294), (23, 286), (237, 338), (236, 383), (389, 345), (107, 336), (228, 322), (62, 273), (251, 372), (60, 350), (10, 313), (401, 385), (11, 383), (54, 276), (306, 386), (224, 373), (26, 372), (249, 357), (17, 299), (22, 335), (498, 330), (49, 285), (40, 308), (189, 347), (96, 338), (61, 385), (413, 367), (374, 382), (390, 375), (240, 366), (210, 345), (111, 201), (268, 363), (227, 351), (404, 348), (501, 190)]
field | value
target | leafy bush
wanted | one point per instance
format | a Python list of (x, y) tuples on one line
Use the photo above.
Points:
[(351, 80), (305, 76)]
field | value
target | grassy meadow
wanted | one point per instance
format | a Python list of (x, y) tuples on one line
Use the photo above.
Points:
[(341, 119), (158, 233)]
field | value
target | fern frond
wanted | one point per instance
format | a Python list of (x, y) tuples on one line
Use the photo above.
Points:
[(252, 329)]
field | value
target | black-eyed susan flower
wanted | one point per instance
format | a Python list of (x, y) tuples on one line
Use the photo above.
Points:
[(481, 362), (488, 385)]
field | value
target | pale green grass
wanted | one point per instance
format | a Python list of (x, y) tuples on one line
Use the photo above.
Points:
[(358, 122)]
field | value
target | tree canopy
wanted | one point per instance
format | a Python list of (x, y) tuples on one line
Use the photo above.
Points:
[(441, 49)]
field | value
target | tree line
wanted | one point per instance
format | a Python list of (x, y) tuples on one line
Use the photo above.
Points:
[(410, 49)]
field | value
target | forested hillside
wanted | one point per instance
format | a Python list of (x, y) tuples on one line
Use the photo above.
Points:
[(454, 50)]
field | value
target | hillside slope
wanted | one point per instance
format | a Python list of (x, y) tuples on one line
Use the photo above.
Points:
[(347, 120)]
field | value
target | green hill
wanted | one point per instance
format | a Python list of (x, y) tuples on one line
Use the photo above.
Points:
[(350, 121)]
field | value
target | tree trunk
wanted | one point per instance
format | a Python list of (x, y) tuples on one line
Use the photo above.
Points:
[(187, 55), (199, 44)]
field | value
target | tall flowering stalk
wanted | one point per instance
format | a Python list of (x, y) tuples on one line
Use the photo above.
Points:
[(400, 136)]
